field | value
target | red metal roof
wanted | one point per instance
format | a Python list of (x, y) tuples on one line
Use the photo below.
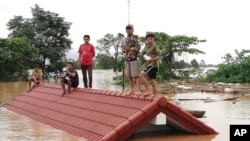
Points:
[(101, 115)]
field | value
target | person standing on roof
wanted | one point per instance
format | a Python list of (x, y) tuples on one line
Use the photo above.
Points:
[(131, 48), (152, 57), (85, 60)]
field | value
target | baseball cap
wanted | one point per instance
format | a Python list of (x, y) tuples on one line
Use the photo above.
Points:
[(129, 26)]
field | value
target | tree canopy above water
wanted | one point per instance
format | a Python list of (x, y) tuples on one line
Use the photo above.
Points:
[(15, 53), (170, 47), (47, 32)]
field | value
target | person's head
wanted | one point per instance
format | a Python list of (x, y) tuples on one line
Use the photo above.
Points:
[(35, 67), (130, 29), (86, 38), (70, 65), (150, 38)]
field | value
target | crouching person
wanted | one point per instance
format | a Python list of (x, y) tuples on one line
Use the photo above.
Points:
[(35, 78), (70, 78)]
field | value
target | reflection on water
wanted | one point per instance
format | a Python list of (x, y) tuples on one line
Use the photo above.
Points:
[(14, 127), (9, 90), (173, 136), (219, 115)]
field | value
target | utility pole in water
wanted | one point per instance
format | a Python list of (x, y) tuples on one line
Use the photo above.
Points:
[(123, 75), (128, 11)]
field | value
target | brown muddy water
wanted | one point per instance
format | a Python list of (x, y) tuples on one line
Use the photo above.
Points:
[(219, 115)]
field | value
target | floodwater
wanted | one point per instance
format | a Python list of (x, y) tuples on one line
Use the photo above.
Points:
[(219, 115)]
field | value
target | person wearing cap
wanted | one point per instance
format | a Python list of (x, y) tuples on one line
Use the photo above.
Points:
[(152, 57), (85, 60), (72, 80), (35, 78), (131, 48)]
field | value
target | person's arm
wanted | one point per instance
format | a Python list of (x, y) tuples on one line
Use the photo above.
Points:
[(125, 47), (71, 74), (156, 55), (32, 74), (123, 44), (79, 59), (63, 76), (79, 56), (93, 52), (137, 44), (40, 76), (133, 46)]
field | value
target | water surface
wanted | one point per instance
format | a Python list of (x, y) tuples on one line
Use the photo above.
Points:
[(219, 115)]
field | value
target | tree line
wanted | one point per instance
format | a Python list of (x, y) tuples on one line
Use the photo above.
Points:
[(234, 69), (43, 40), (170, 46)]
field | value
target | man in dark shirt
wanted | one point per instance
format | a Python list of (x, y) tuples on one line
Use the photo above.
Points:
[(72, 79)]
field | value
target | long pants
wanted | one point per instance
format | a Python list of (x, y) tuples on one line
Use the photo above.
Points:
[(86, 68)]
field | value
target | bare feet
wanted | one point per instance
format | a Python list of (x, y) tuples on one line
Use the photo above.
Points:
[(29, 90), (137, 92), (129, 93), (147, 93), (64, 92)]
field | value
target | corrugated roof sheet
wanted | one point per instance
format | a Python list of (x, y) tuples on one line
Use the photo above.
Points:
[(100, 114)]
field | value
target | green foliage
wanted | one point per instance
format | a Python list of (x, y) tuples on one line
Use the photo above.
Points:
[(180, 64), (105, 44), (194, 63), (202, 63), (14, 55), (47, 32), (231, 73), (170, 47), (121, 79), (103, 61), (228, 58)]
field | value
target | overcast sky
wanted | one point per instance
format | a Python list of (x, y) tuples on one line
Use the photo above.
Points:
[(225, 24)]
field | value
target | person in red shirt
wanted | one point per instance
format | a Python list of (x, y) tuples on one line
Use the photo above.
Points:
[(85, 60)]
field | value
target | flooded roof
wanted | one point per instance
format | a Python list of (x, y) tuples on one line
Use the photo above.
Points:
[(101, 114)]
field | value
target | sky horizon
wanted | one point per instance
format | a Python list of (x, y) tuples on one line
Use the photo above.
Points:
[(223, 23)]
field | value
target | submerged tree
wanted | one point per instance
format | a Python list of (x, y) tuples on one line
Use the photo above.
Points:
[(110, 42), (202, 63), (46, 31), (240, 55), (230, 73), (14, 55), (235, 69), (194, 63), (170, 47), (102, 61)]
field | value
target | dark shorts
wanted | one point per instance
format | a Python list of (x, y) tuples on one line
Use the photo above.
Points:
[(74, 84), (151, 71)]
